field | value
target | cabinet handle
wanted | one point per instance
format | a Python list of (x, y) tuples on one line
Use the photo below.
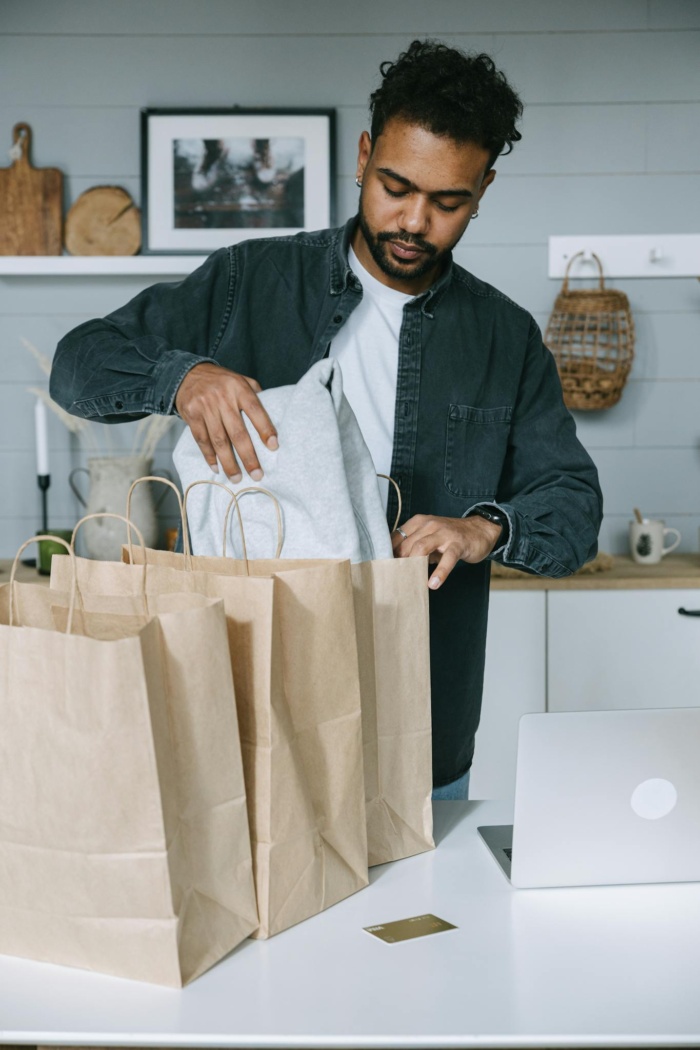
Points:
[(689, 612)]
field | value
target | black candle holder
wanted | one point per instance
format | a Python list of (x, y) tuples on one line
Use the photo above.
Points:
[(44, 483)]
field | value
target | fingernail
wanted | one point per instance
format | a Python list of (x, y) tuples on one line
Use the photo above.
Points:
[(256, 475), (273, 444), (434, 582), (235, 478), (214, 467)]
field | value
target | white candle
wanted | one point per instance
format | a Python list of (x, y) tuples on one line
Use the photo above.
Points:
[(42, 440)]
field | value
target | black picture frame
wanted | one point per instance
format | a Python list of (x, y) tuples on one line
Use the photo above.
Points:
[(211, 177)]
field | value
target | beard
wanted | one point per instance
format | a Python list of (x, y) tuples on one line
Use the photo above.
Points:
[(377, 244)]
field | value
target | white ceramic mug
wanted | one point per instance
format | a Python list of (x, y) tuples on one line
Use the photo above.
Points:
[(647, 541)]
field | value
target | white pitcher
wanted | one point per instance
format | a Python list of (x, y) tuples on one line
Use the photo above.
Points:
[(110, 479)]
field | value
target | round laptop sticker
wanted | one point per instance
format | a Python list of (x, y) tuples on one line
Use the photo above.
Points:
[(654, 798)]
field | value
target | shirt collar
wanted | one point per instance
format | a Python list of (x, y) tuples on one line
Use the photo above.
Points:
[(341, 274)]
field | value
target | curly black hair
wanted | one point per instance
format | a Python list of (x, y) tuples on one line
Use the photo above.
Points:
[(449, 92)]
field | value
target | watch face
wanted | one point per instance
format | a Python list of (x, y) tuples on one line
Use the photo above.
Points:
[(495, 516)]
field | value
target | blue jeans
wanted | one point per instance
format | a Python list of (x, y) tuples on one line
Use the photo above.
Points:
[(455, 791)]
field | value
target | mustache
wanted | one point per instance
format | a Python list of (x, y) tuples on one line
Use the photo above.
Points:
[(408, 238)]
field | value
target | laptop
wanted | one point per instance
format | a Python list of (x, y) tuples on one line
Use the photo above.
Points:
[(602, 798)]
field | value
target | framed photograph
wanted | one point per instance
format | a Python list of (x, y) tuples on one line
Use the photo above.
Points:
[(212, 177)]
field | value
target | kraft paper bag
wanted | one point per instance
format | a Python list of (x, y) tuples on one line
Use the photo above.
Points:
[(393, 641), (124, 841), (393, 644), (294, 660), (391, 612)]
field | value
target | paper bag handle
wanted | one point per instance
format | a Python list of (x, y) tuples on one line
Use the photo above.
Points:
[(170, 484), (74, 582), (129, 526), (398, 497), (232, 501), (280, 526), (234, 496)]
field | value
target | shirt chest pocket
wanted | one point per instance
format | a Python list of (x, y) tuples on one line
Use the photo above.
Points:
[(475, 448)]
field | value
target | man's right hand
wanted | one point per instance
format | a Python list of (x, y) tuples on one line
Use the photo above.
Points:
[(211, 399)]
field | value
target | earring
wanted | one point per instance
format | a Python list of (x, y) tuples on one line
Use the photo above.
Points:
[(358, 182), (475, 215)]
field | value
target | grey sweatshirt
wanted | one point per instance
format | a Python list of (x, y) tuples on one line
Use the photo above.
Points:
[(322, 475)]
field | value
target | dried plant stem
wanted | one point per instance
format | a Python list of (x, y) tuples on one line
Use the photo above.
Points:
[(41, 359), (154, 431), (138, 434)]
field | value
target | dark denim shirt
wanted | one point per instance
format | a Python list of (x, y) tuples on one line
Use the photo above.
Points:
[(479, 415)]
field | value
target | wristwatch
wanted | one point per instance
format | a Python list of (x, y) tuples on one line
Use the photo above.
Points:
[(498, 517)]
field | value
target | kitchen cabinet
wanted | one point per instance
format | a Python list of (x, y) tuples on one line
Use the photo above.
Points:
[(591, 642), (514, 684), (621, 649)]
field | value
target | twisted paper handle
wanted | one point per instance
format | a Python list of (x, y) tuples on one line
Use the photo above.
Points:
[(74, 582), (234, 498), (139, 535), (398, 496)]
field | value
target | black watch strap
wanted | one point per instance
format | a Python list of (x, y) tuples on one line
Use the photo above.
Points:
[(498, 517)]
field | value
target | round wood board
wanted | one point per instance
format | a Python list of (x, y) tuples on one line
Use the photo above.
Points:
[(103, 221)]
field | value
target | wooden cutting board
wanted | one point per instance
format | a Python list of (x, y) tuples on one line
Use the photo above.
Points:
[(31, 202)]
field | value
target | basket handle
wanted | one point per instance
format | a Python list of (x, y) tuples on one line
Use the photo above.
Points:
[(601, 282)]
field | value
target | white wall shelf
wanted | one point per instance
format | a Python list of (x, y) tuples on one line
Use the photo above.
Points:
[(97, 265), (638, 255), (646, 255)]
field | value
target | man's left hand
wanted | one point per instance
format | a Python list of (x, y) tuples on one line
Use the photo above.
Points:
[(446, 541)]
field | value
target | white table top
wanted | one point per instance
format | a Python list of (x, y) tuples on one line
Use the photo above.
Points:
[(604, 966)]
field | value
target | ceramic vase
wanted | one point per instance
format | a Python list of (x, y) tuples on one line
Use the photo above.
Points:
[(110, 478)]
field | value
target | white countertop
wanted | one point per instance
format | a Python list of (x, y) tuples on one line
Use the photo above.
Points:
[(607, 966)]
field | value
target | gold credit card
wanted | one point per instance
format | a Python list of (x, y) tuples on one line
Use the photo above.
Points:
[(407, 929)]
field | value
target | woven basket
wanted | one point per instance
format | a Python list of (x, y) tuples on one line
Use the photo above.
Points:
[(591, 334)]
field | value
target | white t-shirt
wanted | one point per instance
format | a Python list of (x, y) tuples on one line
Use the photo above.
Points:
[(367, 349)]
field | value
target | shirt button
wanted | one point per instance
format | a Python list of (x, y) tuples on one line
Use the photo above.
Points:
[(161, 406), (337, 319), (119, 404)]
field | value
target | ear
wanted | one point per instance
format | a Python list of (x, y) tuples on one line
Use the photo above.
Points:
[(364, 150), (487, 180)]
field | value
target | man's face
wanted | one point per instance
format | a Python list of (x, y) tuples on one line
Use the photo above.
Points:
[(419, 192)]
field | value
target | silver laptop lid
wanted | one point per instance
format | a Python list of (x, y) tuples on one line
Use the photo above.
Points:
[(607, 797)]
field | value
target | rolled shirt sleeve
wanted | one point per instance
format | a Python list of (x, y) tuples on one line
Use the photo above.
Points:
[(131, 363), (549, 486)]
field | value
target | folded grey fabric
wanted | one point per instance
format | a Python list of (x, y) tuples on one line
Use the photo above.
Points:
[(322, 475)]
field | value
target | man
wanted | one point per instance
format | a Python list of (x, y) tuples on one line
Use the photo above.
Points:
[(455, 394)]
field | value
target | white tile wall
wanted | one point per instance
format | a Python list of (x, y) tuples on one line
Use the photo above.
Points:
[(612, 89)]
